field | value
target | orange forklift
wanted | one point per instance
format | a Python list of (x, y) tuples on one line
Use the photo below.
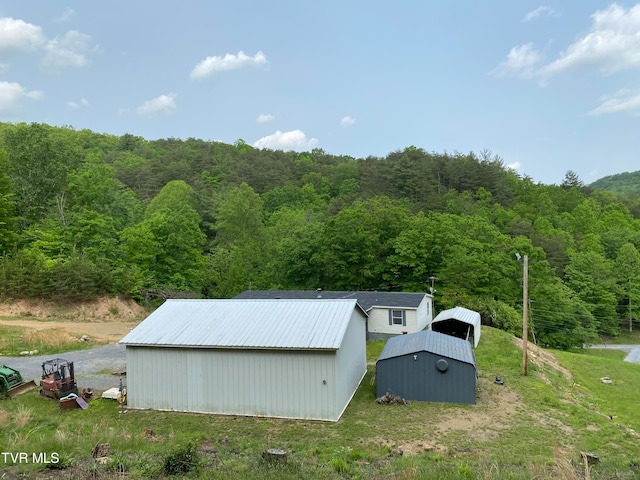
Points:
[(58, 379)]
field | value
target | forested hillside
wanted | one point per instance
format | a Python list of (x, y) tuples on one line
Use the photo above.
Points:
[(84, 214), (626, 183)]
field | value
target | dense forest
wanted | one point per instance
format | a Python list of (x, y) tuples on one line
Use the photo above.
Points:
[(626, 183), (84, 214)]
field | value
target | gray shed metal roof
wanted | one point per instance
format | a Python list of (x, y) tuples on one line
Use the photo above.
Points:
[(366, 299), (258, 324), (429, 341)]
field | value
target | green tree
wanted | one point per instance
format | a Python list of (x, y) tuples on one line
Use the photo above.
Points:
[(590, 275), (167, 245), (7, 206), (627, 272), (236, 261), (40, 158), (356, 242)]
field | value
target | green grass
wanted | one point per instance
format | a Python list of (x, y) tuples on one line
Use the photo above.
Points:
[(14, 340), (625, 336), (532, 427)]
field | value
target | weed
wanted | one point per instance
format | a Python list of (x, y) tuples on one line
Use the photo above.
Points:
[(4, 418), (182, 459), (64, 461), (23, 416), (340, 465)]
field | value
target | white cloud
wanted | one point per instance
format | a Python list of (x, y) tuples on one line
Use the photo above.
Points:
[(265, 118), (347, 121), (210, 65), (612, 44), (293, 140), (162, 104), (538, 12), (515, 166), (82, 103), (67, 15), (621, 101), (19, 36), (11, 93), (521, 61), (67, 51)]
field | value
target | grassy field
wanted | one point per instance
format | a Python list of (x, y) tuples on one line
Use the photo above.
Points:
[(625, 336), (530, 427), (14, 340)]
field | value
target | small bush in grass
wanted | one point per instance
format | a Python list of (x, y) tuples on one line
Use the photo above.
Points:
[(23, 416), (182, 459), (64, 462)]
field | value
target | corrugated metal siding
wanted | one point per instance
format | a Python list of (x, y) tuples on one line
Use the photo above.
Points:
[(277, 324), (429, 341), (420, 380), (351, 362), (284, 384)]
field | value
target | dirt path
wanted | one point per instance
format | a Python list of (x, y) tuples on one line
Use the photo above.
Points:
[(109, 332)]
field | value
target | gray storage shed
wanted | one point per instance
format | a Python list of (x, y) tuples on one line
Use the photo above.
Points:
[(277, 358), (428, 367)]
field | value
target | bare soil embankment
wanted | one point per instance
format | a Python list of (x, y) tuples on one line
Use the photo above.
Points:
[(105, 319)]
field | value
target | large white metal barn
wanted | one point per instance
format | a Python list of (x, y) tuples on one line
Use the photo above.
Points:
[(277, 358)]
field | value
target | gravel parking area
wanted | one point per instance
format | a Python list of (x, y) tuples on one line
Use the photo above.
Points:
[(93, 368)]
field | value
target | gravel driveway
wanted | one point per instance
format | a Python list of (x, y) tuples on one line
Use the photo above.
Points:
[(93, 368)]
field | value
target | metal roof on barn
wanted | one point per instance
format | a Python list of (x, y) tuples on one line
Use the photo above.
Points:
[(429, 341), (255, 324), (367, 300)]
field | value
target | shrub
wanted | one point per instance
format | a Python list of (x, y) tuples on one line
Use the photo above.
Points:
[(182, 459)]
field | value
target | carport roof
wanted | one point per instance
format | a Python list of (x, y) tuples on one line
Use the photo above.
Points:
[(256, 324)]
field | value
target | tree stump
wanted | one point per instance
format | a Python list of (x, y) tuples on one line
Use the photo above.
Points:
[(101, 450), (275, 456)]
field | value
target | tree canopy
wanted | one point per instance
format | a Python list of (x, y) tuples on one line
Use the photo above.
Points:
[(84, 214)]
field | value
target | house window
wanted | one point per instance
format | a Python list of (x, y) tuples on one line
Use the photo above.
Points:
[(397, 317)]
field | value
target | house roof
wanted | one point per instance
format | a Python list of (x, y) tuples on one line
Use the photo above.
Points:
[(237, 323), (367, 300), (429, 341)]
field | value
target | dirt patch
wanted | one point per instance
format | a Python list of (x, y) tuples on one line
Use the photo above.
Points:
[(104, 320), (105, 309), (494, 412), (108, 332), (495, 408)]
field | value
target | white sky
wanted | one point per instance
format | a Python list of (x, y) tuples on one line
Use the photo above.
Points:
[(548, 87)]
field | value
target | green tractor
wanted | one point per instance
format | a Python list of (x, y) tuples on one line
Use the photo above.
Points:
[(12, 384)]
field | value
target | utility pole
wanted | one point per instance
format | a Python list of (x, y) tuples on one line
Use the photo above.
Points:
[(525, 313), (630, 315)]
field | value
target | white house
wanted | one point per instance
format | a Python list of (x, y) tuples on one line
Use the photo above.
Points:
[(276, 358), (390, 313)]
